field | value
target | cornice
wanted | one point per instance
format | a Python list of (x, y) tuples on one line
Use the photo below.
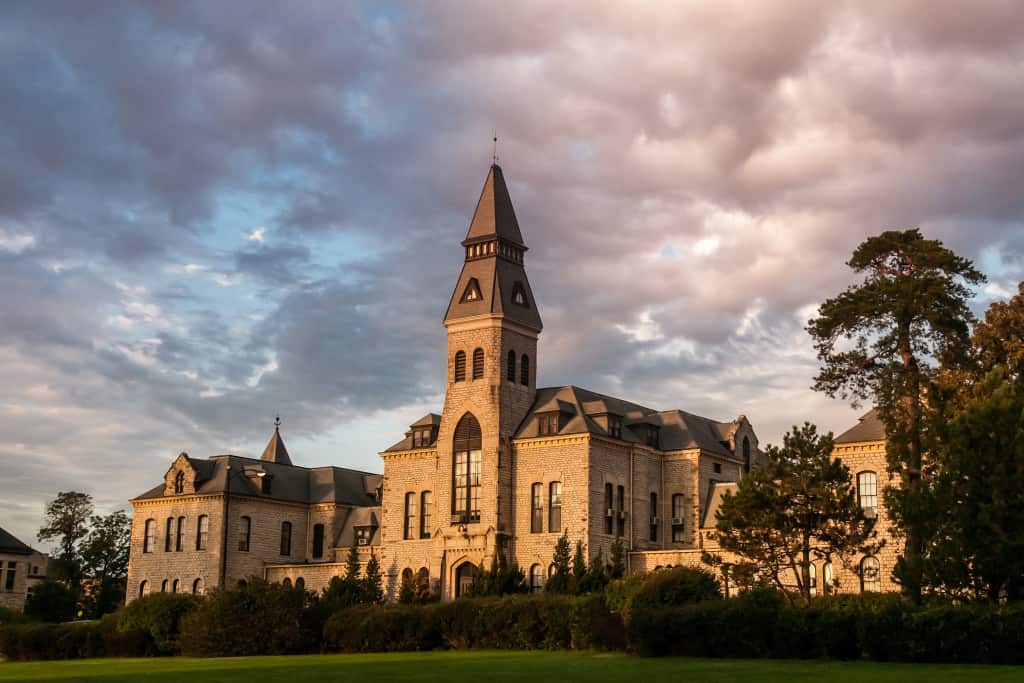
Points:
[(554, 440), (411, 454), (486, 321)]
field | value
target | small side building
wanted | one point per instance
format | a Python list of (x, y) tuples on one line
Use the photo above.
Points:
[(21, 569)]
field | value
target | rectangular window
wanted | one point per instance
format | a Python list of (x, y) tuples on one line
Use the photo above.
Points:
[(678, 515), (555, 507), (149, 539), (410, 516), (537, 508), (609, 512), (426, 513), (620, 530), (654, 517), (318, 541), (548, 424), (244, 532), (179, 537), (652, 436), (11, 569), (169, 536), (615, 426), (286, 538), (461, 482), (474, 485), (202, 532), (867, 492)]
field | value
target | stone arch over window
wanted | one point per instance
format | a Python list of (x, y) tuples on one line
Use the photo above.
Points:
[(460, 366), (197, 587), (287, 583), (164, 584), (746, 454), (870, 575), (175, 585), (536, 579), (406, 579), (524, 370), (179, 482), (149, 537), (510, 367), (478, 363), (143, 588), (466, 464)]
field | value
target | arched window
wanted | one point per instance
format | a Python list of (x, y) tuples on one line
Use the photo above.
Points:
[(812, 572), (466, 470), (510, 367), (179, 538), (609, 510), (827, 580), (286, 538), (197, 587), (746, 454), (202, 532), (318, 541), (423, 577), (478, 363), (163, 585), (867, 493), (287, 583), (175, 585), (536, 508), (678, 518), (460, 366), (300, 583), (149, 539), (870, 576), (524, 370), (409, 527), (555, 506), (244, 532), (426, 513), (536, 579), (654, 517), (406, 579), (143, 588), (179, 482), (169, 536)]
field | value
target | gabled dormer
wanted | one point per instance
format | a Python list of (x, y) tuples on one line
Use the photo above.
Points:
[(180, 479)]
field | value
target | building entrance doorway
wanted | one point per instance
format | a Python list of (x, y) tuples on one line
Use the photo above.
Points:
[(464, 575)]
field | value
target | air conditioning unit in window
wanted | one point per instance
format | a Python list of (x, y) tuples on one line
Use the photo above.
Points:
[(364, 541), (610, 512), (677, 521)]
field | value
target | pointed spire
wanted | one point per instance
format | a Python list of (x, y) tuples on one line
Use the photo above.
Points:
[(494, 213), (275, 450)]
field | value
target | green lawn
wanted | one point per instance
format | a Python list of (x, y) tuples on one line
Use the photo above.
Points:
[(492, 667)]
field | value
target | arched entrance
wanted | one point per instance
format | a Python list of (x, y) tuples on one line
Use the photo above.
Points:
[(464, 575)]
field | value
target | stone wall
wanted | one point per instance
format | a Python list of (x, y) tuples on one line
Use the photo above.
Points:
[(27, 572)]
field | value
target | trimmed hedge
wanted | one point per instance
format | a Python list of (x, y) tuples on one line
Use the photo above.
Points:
[(752, 628), (72, 641), (159, 615), (518, 622)]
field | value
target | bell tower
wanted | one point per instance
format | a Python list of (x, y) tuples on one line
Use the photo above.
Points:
[(493, 325)]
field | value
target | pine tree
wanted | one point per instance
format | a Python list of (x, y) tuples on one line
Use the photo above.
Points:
[(579, 569), (373, 585), (352, 563), (560, 580), (618, 566)]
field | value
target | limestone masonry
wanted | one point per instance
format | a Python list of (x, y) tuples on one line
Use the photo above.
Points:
[(504, 468)]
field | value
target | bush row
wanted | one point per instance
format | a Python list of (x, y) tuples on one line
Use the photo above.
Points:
[(72, 641), (890, 631)]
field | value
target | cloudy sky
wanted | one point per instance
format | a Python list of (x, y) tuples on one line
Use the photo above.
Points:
[(214, 212)]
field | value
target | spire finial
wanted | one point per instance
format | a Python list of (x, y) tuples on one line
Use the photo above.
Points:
[(494, 157), (277, 423)]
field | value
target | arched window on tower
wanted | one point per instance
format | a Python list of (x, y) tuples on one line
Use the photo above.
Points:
[(460, 366), (510, 367), (746, 454), (466, 461), (524, 370), (478, 364)]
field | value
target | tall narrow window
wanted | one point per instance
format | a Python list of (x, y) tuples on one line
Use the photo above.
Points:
[(197, 587), (466, 471), (318, 541), (149, 539), (746, 454), (555, 506), (536, 508), (409, 528), (615, 426), (143, 588), (621, 528), (678, 514), (536, 579), (510, 367), (524, 370), (202, 532), (165, 585), (812, 573), (478, 364), (286, 538), (654, 517), (609, 510), (870, 576), (867, 493), (827, 580), (244, 531), (169, 536), (426, 512), (179, 538), (175, 585), (460, 366), (179, 482), (12, 568)]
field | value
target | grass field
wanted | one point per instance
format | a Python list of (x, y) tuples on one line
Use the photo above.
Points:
[(492, 667)]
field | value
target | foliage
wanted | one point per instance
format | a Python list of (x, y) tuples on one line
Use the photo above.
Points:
[(617, 569), (799, 507), (104, 555), (879, 340), (501, 579), (257, 618), (998, 340), (373, 582), (560, 580), (51, 601), (80, 640), (11, 616), (66, 522), (676, 586), (159, 615)]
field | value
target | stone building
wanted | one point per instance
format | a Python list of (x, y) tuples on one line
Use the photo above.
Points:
[(21, 569), (505, 467)]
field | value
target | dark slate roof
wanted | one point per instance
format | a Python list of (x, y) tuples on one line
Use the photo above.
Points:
[(678, 430), (360, 517), (288, 482), (869, 428), (494, 214), (275, 450), (432, 420), (716, 492), (11, 545)]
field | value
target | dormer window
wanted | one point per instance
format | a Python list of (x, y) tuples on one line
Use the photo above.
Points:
[(265, 480), (472, 292), (652, 436), (179, 482), (519, 295), (547, 424), (420, 438), (615, 426), (363, 535)]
